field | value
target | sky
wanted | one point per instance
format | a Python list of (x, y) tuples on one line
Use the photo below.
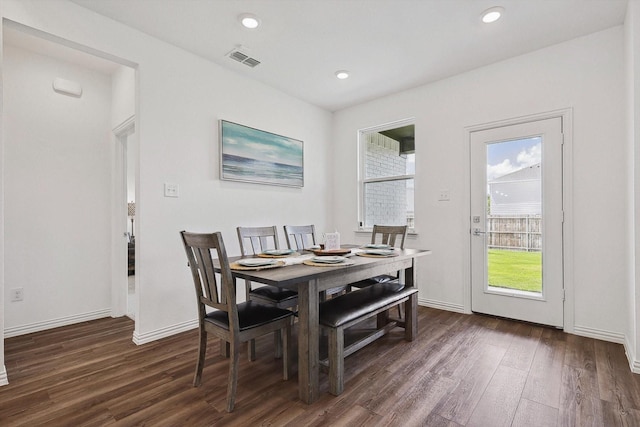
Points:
[(244, 141), (510, 156)]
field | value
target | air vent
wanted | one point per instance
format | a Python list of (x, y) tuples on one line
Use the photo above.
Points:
[(243, 58)]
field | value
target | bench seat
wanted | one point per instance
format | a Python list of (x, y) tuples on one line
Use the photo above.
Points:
[(339, 313)]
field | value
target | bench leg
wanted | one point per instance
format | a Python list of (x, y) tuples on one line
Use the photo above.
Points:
[(411, 317), (382, 319), (336, 361)]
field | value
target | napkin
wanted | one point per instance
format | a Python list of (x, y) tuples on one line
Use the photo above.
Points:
[(296, 259)]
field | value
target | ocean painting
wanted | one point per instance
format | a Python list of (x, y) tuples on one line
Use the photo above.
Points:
[(252, 155)]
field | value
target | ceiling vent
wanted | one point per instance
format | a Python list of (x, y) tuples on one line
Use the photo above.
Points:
[(243, 58)]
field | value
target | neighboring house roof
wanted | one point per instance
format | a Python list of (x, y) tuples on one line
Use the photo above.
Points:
[(524, 174), (517, 193)]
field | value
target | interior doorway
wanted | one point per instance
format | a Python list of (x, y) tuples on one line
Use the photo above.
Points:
[(61, 100), (126, 163)]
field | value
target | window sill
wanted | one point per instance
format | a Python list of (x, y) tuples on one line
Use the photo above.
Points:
[(364, 232)]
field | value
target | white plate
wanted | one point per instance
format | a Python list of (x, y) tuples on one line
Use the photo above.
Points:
[(383, 252), (278, 252), (328, 259), (372, 246), (256, 262)]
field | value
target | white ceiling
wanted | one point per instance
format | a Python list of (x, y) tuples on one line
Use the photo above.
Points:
[(387, 45)]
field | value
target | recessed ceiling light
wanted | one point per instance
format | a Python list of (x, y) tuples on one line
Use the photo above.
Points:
[(492, 14), (342, 74), (249, 20)]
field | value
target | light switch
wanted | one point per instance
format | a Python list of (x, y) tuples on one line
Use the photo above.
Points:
[(171, 190), (443, 196)]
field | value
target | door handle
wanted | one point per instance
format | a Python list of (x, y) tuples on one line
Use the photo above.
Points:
[(478, 232)]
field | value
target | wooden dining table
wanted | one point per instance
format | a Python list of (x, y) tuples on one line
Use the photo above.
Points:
[(309, 282)]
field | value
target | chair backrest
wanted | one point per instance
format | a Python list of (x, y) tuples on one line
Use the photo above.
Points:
[(254, 240), (300, 236), (199, 247), (389, 234)]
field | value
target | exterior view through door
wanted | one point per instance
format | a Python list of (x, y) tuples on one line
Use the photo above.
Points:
[(516, 221)]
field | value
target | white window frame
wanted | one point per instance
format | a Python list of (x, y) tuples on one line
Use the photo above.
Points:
[(362, 181)]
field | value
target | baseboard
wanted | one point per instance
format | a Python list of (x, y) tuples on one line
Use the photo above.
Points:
[(599, 334), (148, 337), (15, 331), (458, 308), (4, 379)]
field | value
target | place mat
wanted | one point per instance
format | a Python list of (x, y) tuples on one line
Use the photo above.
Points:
[(377, 255), (324, 264), (236, 266), (292, 254)]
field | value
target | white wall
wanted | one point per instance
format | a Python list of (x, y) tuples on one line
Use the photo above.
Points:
[(180, 99), (583, 74), (57, 189), (632, 45)]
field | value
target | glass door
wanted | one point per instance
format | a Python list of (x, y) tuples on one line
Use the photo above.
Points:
[(516, 221)]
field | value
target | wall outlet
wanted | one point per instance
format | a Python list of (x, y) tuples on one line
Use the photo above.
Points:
[(171, 190), (443, 196), (17, 294)]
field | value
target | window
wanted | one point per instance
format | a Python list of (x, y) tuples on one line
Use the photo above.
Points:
[(387, 169)]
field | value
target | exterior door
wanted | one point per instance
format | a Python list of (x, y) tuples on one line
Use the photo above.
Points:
[(516, 222)]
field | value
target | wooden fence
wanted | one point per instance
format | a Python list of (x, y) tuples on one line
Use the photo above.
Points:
[(518, 232)]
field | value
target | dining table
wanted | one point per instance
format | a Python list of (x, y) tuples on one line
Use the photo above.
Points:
[(310, 281)]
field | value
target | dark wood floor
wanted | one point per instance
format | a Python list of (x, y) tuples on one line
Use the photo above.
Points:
[(463, 370)]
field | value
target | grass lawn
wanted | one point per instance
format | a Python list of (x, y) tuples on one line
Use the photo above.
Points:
[(515, 270)]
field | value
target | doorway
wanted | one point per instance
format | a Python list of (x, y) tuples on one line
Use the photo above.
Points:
[(60, 102), (125, 201), (517, 221)]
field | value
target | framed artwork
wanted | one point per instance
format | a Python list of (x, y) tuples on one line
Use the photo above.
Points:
[(257, 156)]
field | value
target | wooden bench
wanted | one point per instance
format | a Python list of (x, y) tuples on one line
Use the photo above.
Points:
[(346, 310)]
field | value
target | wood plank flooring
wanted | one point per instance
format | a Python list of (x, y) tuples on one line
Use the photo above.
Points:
[(463, 370)]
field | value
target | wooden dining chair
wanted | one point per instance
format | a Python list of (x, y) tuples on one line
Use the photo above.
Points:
[(234, 323), (300, 237), (254, 240), (392, 235)]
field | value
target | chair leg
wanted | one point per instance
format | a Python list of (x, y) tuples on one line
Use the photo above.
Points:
[(232, 385), (224, 348), (251, 350), (336, 361), (286, 351), (277, 343), (202, 350)]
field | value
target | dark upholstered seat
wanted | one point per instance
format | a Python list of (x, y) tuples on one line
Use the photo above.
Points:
[(353, 305), (273, 293), (250, 315)]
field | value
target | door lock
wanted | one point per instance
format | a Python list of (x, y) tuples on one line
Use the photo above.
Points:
[(478, 232)]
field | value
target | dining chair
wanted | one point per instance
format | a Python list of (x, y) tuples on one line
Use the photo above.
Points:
[(301, 237), (231, 322), (388, 235), (254, 240)]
